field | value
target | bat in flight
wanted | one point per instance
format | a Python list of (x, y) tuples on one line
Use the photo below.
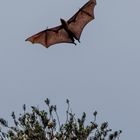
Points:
[(68, 31)]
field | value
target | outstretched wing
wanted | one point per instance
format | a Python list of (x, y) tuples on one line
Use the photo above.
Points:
[(75, 25), (85, 14), (51, 36)]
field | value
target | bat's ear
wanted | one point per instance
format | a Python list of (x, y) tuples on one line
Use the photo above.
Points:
[(63, 22)]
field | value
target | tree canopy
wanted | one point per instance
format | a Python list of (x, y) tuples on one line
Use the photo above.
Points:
[(45, 125)]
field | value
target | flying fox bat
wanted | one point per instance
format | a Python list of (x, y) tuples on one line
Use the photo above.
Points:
[(68, 31)]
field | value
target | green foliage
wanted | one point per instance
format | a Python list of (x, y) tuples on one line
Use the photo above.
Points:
[(45, 125)]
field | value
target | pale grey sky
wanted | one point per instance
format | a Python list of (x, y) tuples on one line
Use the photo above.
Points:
[(101, 73)]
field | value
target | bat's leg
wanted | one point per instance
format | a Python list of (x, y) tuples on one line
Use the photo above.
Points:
[(72, 40), (74, 43), (78, 40), (74, 36)]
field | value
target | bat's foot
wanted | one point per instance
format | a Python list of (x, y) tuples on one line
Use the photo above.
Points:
[(77, 39), (74, 43)]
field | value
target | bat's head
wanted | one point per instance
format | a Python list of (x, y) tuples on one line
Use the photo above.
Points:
[(63, 22)]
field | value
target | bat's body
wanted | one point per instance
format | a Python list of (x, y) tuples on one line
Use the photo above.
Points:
[(68, 31), (71, 34)]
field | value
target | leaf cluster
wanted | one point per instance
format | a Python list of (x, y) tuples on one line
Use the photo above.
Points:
[(45, 125)]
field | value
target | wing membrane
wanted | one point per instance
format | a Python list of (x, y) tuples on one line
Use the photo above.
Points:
[(51, 36), (85, 14)]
